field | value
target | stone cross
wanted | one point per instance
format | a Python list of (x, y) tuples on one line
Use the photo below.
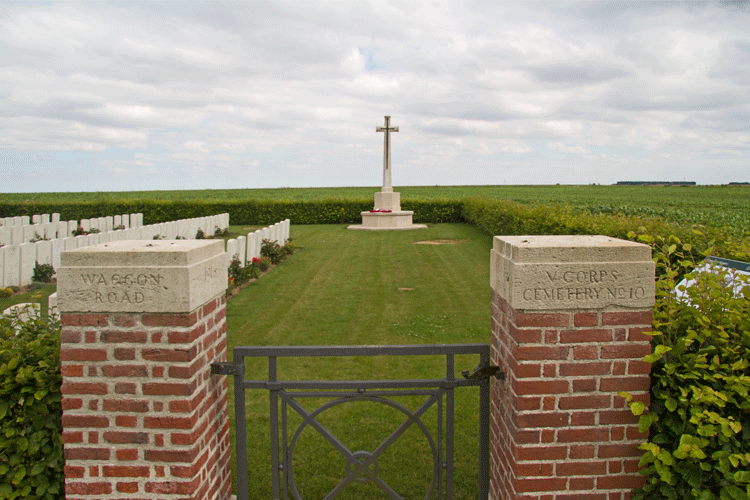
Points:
[(387, 187)]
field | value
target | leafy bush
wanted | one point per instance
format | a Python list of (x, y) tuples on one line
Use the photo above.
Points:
[(272, 251), (700, 411), (200, 235), (289, 247), (264, 263), (239, 274), (31, 451), (43, 273), (5, 292)]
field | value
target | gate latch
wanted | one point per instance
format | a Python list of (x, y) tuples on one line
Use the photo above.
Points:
[(224, 368), (484, 372)]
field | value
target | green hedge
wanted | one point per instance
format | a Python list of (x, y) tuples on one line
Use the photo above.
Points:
[(31, 451), (505, 217), (254, 212), (699, 418)]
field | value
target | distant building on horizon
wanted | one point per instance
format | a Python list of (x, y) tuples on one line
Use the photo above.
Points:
[(656, 183)]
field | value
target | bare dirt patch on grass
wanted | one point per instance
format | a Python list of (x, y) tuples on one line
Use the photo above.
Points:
[(441, 242)]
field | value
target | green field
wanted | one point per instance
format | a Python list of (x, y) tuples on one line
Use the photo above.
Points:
[(693, 197), (708, 205)]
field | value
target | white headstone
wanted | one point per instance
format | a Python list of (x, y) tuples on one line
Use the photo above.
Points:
[(85, 225), (82, 241), (57, 246), (5, 236), (72, 226), (242, 249), (117, 221), (125, 221), (52, 305), (36, 219), (50, 230), (28, 260), (45, 219), (43, 252), (69, 243), (232, 249), (29, 232), (55, 217), (16, 235), (11, 265)]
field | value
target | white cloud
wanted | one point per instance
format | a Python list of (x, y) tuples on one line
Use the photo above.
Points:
[(162, 89), (559, 146)]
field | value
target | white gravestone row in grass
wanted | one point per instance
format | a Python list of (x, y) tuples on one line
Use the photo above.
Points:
[(17, 230), (17, 260), (245, 248)]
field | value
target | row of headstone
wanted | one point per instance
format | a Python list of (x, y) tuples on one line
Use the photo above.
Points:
[(17, 230), (245, 248), (18, 261)]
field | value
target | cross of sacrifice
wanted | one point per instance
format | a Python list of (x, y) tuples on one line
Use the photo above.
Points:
[(387, 153)]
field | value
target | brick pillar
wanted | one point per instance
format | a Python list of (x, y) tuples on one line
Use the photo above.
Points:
[(142, 416), (568, 316)]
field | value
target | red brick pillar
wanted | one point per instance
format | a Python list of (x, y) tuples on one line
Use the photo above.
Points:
[(568, 316), (142, 415)]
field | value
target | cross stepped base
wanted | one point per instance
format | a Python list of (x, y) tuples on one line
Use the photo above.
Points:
[(387, 221)]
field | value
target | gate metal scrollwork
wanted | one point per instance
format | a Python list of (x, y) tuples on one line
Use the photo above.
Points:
[(362, 466)]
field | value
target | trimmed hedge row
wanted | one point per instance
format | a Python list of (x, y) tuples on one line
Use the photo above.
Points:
[(505, 217), (491, 215), (255, 212)]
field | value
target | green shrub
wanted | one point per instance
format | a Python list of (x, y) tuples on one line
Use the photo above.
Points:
[(272, 251), (239, 274), (699, 418), (31, 451), (43, 273), (264, 263), (289, 247), (5, 293)]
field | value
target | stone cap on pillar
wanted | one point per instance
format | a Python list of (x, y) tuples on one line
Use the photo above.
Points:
[(141, 276), (572, 272)]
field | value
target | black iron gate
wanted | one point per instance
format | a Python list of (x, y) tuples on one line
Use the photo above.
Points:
[(362, 466)]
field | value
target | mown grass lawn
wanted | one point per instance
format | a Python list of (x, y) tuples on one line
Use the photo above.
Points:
[(365, 288)]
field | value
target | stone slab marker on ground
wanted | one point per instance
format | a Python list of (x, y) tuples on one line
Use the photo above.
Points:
[(142, 415), (568, 316)]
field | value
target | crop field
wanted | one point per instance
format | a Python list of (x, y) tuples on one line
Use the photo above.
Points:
[(708, 205)]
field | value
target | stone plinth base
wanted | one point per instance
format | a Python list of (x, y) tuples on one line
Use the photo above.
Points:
[(387, 221), (385, 200)]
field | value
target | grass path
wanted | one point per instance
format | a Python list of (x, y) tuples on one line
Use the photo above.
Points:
[(357, 287)]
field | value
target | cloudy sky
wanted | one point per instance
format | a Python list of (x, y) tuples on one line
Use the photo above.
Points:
[(108, 96)]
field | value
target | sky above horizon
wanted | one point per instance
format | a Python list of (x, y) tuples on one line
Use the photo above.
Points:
[(121, 96)]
